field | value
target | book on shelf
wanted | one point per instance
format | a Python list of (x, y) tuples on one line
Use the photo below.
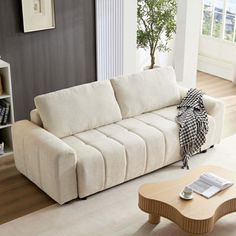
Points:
[(6, 115), (4, 111), (208, 184)]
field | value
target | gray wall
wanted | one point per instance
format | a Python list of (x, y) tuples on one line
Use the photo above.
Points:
[(44, 61)]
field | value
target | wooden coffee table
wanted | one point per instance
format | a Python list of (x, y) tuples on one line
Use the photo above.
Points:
[(197, 216)]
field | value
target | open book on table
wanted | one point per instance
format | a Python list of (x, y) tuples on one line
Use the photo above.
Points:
[(209, 184)]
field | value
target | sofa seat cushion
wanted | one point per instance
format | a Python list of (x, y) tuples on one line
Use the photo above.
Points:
[(135, 149), (146, 91), (170, 131), (115, 153), (90, 167), (101, 161), (154, 141), (171, 112), (77, 109)]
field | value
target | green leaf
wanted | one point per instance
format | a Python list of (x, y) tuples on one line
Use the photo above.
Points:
[(156, 24)]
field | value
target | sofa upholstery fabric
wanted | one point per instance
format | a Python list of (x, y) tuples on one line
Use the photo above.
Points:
[(170, 130), (154, 142), (79, 108), (127, 149), (115, 154), (82, 140), (170, 114), (46, 160), (146, 91), (35, 118)]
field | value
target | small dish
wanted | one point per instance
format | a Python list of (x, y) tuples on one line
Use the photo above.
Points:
[(185, 198)]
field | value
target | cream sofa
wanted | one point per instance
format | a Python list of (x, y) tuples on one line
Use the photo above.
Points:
[(88, 138)]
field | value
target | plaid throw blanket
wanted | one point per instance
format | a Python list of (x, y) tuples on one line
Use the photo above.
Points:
[(193, 124)]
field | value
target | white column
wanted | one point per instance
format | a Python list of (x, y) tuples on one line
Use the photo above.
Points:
[(116, 37), (189, 16), (130, 36)]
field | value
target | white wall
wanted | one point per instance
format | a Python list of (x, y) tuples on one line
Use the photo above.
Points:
[(187, 41), (217, 57), (130, 35)]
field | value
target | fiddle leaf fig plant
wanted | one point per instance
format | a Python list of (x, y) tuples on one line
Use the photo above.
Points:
[(156, 25)]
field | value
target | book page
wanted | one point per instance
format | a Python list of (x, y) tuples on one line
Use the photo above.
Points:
[(199, 186), (215, 180), (210, 191)]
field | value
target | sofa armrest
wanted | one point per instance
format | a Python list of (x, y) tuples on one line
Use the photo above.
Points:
[(46, 160), (214, 108)]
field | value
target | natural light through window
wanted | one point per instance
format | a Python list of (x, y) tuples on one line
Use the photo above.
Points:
[(219, 19)]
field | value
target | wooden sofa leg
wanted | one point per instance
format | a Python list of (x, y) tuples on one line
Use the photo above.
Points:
[(83, 198), (212, 146)]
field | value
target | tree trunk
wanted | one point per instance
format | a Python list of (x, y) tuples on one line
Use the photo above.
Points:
[(152, 60)]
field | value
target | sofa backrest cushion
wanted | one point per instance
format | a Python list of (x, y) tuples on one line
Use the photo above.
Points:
[(146, 91), (69, 111)]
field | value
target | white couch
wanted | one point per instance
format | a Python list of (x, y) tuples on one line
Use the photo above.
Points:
[(88, 138)]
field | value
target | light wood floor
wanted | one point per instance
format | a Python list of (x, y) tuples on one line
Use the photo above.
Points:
[(225, 91), (18, 196)]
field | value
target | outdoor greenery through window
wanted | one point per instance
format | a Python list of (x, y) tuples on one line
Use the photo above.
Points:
[(219, 19)]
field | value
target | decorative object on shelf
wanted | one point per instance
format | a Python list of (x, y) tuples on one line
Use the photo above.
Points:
[(1, 148), (156, 25), (38, 15), (6, 111)]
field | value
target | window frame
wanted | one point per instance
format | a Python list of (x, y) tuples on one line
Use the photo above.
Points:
[(224, 15)]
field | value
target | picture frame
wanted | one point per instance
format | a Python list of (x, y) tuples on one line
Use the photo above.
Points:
[(38, 15)]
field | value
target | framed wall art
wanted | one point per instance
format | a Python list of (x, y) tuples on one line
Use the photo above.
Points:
[(38, 15)]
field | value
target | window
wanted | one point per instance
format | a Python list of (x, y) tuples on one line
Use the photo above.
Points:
[(219, 19)]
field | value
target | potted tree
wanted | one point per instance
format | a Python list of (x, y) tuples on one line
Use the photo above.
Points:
[(156, 25)]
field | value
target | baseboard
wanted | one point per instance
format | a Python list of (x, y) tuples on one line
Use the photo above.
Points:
[(220, 68)]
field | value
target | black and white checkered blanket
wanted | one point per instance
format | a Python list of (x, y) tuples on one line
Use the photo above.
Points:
[(193, 124)]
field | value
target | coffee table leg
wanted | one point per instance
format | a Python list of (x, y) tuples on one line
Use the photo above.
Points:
[(154, 219)]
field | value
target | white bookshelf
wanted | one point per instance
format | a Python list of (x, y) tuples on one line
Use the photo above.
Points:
[(5, 130)]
